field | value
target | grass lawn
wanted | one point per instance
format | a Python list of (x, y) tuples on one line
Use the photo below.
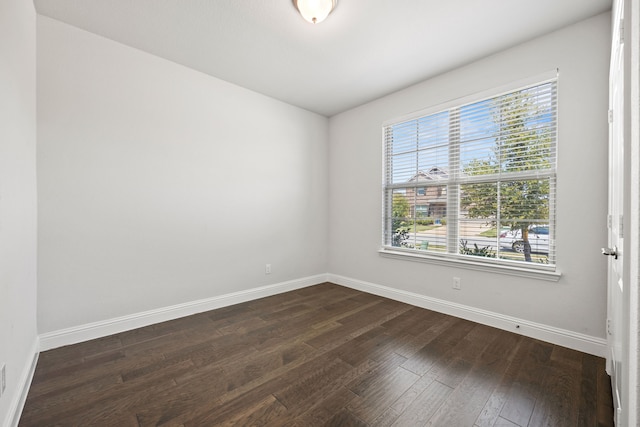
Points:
[(492, 232), (419, 228)]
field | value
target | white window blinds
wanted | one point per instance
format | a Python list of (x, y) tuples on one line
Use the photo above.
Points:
[(475, 180)]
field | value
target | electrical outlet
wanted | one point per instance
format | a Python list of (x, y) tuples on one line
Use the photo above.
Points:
[(456, 283), (267, 269), (3, 374)]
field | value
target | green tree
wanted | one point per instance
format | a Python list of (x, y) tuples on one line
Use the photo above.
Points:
[(399, 212), (400, 208), (519, 147)]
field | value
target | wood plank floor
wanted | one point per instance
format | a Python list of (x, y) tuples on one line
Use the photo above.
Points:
[(320, 356)]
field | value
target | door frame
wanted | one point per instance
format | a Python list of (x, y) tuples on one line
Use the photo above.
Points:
[(632, 267), (631, 250)]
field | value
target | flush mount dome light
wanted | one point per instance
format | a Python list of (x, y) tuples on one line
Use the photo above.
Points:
[(315, 11)]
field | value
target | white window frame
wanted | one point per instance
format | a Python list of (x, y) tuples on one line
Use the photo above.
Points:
[(531, 270)]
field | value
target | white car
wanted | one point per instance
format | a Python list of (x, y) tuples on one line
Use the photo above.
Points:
[(538, 239)]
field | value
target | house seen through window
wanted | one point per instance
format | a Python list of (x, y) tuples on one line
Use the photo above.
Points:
[(475, 181)]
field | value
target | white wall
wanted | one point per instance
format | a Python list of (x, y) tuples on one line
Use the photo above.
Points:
[(159, 185), (18, 333), (578, 301)]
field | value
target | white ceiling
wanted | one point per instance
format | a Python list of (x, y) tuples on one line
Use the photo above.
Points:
[(364, 50)]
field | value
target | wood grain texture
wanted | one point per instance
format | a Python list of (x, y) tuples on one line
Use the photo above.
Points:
[(319, 356)]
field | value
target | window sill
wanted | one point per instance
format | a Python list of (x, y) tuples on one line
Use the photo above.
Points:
[(531, 273)]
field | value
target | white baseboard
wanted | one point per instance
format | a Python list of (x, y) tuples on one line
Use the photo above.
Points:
[(584, 343), (74, 335), (19, 399)]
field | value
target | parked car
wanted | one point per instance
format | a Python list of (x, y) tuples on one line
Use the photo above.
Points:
[(538, 239)]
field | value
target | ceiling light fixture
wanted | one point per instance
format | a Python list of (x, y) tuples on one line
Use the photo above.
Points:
[(315, 11)]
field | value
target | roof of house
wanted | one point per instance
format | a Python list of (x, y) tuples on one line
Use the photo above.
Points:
[(434, 174)]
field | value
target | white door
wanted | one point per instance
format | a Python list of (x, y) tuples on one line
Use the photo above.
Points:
[(617, 294)]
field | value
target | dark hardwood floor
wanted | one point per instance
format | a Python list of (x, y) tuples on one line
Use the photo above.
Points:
[(323, 355)]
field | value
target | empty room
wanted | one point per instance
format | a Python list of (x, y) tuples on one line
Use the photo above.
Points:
[(319, 213)]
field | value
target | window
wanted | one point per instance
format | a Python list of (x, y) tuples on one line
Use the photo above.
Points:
[(422, 211), (475, 181)]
